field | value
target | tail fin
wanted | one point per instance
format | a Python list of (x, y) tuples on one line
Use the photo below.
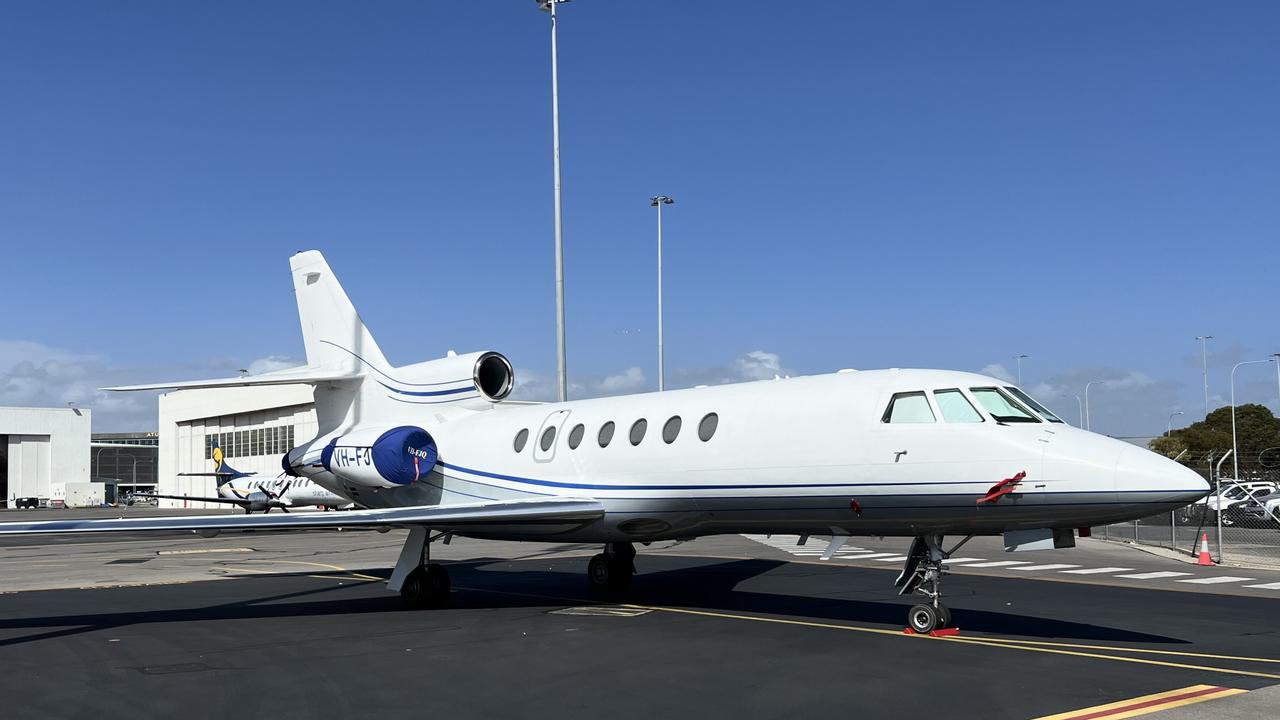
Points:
[(224, 471), (333, 334)]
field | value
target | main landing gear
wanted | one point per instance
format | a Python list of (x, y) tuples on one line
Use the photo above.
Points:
[(421, 583), (610, 572), (922, 573)]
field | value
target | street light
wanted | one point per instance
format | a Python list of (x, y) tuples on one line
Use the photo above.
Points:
[(1079, 409), (1235, 450), (1019, 359), (1087, 424), (1169, 428), (658, 201), (561, 364), (1204, 364)]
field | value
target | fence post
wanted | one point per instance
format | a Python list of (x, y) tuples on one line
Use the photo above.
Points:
[(1136, 540), (1173, 530)]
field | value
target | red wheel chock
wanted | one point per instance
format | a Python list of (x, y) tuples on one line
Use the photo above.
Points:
[(941, 632)]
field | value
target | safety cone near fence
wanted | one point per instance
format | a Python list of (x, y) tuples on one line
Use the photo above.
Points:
[(1204, 551)]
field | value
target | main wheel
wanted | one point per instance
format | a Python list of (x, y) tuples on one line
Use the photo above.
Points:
[(426, 587), (608, 574), (923, 619), (944, 616)]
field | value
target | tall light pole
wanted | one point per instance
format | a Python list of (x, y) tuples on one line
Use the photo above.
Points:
[(561, 362), (1087, 424), (1235, 449), (1079, 409), (1169, 428), (1276, 358), (658, 201), (1204, 365), (1019, 359)]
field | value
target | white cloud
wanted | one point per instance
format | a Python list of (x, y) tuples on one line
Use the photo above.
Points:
[(271, 363), (629, 380), (998, 371), (754, 365)]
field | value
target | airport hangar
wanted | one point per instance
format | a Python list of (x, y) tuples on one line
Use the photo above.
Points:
[(255, 426)]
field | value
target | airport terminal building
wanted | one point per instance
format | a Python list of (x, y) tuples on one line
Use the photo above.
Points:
[(254, 426)]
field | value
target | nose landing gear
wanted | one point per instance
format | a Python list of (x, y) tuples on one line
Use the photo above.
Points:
[(922, 573)]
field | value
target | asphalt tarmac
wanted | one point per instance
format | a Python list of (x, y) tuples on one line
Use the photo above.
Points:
[(727, 627)]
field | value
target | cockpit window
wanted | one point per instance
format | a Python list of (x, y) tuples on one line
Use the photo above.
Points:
[(955, 407), (1002, 407), (1044, 411), (908, 407)]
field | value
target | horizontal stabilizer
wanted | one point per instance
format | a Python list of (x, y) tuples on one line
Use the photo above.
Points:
[(289, 376), (494, 515)]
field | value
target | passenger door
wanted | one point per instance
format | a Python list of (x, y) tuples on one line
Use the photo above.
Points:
[(544, 444)]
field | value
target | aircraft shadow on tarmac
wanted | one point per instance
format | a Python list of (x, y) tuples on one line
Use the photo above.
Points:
[(502, 583)]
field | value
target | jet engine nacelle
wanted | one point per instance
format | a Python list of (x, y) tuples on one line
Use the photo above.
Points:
[(381, 457), (456, 378)]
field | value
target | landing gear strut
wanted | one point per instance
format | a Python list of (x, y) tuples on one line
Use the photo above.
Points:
[(922, 573), (610, 572), (421, 583)]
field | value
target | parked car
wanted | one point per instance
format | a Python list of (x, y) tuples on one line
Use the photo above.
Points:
[(1228, 494)]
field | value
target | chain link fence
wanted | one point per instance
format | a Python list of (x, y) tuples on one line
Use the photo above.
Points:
[(1241, 517)]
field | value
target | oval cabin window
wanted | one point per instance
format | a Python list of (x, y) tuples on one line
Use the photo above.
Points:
[(708, 426)]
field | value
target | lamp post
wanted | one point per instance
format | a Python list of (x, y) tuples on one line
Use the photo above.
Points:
[(1019, 359), (1169, 428), (1276, 358), (1079, 409), (1235, 449), (1088, 425), (561, 363), (658, 201), (1204, 366)]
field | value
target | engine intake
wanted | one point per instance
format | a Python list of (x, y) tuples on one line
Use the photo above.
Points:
[(381, 458), (494, 376)]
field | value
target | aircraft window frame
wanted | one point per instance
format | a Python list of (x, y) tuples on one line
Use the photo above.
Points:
[(887, 417), (605, 436), (575, 436), (548, 438), (1026, 399), (638, 430), (942, 410), (521, 439), (671, 429), (707, 426), (1029, 419)]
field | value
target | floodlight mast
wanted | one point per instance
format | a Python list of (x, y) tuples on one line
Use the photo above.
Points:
[(561, 358), (658, 201)]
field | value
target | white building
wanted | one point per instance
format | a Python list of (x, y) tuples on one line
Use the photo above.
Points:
[(254, 426), (45, 448)]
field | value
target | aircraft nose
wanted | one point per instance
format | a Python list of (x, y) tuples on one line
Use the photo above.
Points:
[(1144, 476)]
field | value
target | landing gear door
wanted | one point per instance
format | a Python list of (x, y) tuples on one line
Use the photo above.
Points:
[(548, 437)]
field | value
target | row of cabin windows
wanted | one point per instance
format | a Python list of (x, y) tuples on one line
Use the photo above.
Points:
[(1004, 407), (670, 431)]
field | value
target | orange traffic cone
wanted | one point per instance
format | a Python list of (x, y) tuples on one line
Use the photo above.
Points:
[(1204, 551)]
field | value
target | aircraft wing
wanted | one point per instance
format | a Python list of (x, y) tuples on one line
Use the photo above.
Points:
[(192, 498), (493, 514)]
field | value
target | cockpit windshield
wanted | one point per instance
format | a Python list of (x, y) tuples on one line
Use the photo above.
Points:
[(1044, 411), (1002, 407)]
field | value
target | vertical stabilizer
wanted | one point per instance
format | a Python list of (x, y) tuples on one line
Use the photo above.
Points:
[(332, 332)]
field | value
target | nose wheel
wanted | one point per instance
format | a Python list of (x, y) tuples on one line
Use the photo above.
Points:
[(922, 574)]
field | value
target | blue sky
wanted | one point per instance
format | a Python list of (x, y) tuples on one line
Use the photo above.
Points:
[(857, 185)]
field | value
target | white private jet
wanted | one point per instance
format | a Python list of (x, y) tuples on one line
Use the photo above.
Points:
[(916, 453), (258, 493)]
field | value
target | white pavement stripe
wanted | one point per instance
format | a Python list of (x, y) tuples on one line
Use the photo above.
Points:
[(962, 560), (1266, 586), (874, 555), (1154, 575), (1057, 566), (1216, 580), (1097, 571), (895, 558), (999, 563)]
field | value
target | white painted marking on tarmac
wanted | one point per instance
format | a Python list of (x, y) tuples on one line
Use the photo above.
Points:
[(1266, 586), (1154, 575), (1097, 571), (953, 561), (1216, 580), (875, 555), (1000, 563), (1053, 566), (895, 558)]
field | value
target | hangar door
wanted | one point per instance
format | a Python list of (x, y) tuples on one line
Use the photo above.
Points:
[(28, 467)]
